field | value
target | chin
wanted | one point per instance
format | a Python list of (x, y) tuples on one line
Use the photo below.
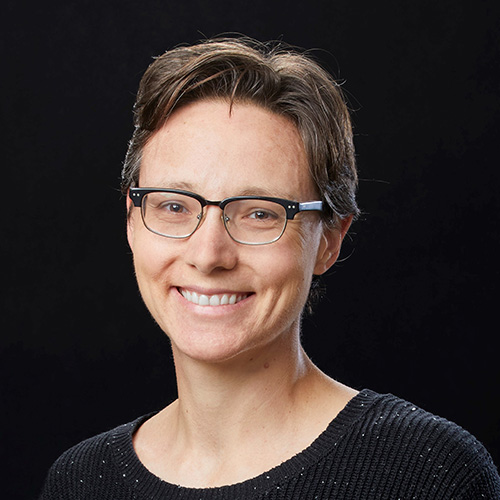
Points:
[(211, 347), (212, 354)]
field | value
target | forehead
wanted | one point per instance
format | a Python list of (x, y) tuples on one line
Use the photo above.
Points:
[(221, 150)]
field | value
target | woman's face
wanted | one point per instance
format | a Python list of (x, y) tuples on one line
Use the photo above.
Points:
[(205, 149)]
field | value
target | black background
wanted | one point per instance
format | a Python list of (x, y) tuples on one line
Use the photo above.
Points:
[(413, 308)]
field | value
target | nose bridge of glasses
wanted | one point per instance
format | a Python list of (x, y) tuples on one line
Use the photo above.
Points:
[(207, 203), (220, 204)]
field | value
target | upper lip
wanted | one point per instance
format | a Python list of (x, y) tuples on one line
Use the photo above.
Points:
[(213, 291)]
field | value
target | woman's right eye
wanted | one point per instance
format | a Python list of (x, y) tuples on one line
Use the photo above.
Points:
[(174, 207)]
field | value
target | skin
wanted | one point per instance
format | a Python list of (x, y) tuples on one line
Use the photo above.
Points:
[(245, 385)]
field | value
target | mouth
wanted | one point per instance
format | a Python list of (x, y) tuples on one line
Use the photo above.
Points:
[(219, 299)]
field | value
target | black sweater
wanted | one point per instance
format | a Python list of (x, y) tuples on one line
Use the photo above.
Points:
[(378, 447)]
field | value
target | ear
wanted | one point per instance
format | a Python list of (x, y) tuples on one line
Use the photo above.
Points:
[(330, 244), (130, 222)]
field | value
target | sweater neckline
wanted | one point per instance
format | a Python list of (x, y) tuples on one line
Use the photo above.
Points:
[(145, 484)]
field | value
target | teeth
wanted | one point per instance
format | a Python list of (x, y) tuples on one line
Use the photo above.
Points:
[(212, 300)]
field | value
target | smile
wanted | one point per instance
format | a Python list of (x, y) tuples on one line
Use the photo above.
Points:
[(213, 300)]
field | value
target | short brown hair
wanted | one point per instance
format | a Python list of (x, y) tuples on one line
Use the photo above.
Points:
[(271, 75)]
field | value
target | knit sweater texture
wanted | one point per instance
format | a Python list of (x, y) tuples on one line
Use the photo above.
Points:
[(378, 447)]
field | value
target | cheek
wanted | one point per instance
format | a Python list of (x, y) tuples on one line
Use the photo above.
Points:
[(287, 291), (152, 256), (305, 239), (289, 264)]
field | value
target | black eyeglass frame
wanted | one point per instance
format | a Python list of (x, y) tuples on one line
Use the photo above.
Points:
[(292, 208)]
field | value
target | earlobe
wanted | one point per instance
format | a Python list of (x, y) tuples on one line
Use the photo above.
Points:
[(330, 245)]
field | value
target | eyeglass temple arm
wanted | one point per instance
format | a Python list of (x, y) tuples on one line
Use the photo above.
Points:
[(310, 205), (294, 209)]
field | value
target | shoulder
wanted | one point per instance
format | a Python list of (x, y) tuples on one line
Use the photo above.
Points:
[(94, 461), (407, 440), (93, 451), (393, 417)]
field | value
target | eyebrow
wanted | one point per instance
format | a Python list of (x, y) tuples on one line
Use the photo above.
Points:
[(249, 191), (185, 186), (257, 191)]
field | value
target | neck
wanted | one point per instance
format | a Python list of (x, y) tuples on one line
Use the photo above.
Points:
[(222, 401), (236, 419)]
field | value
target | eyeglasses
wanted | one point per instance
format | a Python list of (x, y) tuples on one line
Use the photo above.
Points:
[(251, 220)]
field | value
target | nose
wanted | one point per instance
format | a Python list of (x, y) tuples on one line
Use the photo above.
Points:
[(210, 248)]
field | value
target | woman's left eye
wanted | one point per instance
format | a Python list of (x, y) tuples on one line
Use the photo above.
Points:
[(262, 215)]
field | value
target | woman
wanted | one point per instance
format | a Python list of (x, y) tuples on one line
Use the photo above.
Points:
[(240, 181)]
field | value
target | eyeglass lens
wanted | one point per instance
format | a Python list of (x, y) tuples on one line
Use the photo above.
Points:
[(250, 221)]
